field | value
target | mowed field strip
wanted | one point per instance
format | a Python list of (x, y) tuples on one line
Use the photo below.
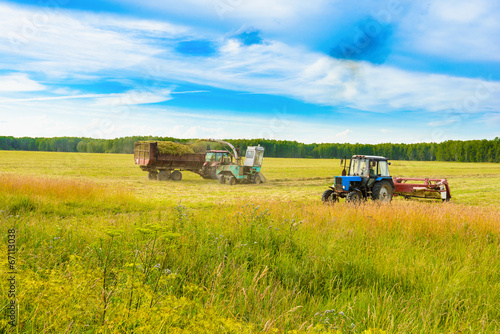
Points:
[(289, 179)]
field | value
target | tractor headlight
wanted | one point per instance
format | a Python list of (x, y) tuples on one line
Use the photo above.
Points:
[(343, 187)]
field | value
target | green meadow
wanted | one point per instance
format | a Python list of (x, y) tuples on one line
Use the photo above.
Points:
[(102, 249)]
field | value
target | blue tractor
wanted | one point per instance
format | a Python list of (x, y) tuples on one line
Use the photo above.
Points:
[(368, 177)]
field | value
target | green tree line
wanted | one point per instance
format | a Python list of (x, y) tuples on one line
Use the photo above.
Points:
[(451, 150)]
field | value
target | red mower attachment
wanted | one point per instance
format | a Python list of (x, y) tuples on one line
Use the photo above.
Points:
[(422, 188)]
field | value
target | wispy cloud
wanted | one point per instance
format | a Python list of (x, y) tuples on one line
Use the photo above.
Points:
[(19, 82), (443, 123), (454, 29), (127, 98)]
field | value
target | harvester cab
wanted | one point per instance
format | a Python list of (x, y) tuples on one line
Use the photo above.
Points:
[(368, 177), (254, 156)]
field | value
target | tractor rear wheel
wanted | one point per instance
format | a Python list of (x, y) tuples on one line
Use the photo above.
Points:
[(163, 175), (382, 192), (353, 197), (153, 175), (232, 180), (176, 175), (329, 196), (222, 179)]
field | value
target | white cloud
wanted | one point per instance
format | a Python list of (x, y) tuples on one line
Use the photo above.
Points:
[(454, 29), (132, 97), (343, 135), (59, 43), (269, 14), (18, 82), (443, 123)]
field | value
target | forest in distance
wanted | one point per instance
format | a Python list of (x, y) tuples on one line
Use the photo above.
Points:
[(451, 150)]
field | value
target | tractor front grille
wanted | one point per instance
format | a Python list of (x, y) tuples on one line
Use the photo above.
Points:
[(338, 184)]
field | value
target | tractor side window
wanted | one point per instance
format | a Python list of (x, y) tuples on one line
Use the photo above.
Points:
[(353, 168), (383, 168), (249, 154)]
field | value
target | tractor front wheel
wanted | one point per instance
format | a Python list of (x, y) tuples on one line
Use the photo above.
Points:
[(382, 192), (232, 180), (176, 175), (329, 196), (257, 179), (353, 197), (222, 179)]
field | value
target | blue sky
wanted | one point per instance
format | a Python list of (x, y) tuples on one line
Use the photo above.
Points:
[(311, 71)]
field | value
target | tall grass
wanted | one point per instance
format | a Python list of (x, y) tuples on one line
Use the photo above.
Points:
[(24, 193), (118, 265)]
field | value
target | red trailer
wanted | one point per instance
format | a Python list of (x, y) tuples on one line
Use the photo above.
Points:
[(163, 167), (422, 188)]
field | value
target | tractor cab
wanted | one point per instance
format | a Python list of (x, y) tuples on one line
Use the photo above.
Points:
[(219, 156), (214, 158), (369, 166), (368, 176)]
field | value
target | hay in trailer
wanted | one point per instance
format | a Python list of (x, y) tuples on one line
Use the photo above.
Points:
[(172, 148)]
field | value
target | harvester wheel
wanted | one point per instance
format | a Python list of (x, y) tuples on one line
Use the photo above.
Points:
[(353, 197), (329, 196), (232, 180), (153, 175), (382, 192), (222, 179), (176, 175), (257, 179), (213, 173), (163, 175)]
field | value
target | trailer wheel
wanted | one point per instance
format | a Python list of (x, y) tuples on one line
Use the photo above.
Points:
[(176, 175), (222, 179), (163, 175), (353, 197), (329, 196), (382, 192), (257, 179), (232, 180), (153, 175)]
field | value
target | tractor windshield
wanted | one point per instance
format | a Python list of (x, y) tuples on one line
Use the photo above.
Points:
[(359, 167)]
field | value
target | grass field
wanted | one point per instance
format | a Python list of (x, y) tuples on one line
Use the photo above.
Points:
[(100, 248)]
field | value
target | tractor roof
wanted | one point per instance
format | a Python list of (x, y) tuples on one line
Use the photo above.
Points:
[(371, 157)]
